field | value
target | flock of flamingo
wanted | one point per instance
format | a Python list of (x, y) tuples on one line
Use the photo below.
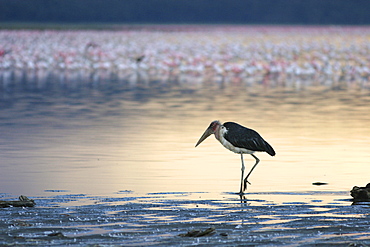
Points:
[(279, 55)]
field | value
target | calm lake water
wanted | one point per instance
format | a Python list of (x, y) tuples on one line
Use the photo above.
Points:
[(114, 162), (113, 136)]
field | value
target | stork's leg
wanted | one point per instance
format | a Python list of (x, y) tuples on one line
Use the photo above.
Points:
[(241, 180), (246, 178)]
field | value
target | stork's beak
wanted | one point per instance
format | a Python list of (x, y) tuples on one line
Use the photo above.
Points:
[(206, 133)]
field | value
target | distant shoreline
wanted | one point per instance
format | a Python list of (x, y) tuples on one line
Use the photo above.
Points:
[(156, 26)]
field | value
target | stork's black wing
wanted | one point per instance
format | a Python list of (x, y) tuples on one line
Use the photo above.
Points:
[(243, 137)]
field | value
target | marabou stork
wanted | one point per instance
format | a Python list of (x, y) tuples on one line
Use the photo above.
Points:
[(240, 140)]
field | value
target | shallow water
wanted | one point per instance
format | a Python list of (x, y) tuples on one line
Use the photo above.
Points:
[(312, 218), (112, 162)]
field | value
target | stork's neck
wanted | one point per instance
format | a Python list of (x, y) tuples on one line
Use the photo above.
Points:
[(218, 132)]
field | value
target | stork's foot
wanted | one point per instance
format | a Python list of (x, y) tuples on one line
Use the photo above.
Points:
[(241, 195), (245, 184)]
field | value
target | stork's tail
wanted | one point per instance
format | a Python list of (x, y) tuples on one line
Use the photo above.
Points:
[(269, 149)]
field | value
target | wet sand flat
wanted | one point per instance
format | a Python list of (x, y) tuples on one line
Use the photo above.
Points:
[(157, 219)]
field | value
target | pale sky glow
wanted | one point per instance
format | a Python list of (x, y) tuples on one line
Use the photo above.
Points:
[(142, 154)]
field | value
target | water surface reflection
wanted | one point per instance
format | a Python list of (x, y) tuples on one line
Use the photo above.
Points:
[(110, 136)]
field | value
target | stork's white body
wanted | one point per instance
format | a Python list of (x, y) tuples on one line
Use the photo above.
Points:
[(220, 137)]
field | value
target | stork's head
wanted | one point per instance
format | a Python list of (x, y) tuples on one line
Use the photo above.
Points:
[(213, 128)]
